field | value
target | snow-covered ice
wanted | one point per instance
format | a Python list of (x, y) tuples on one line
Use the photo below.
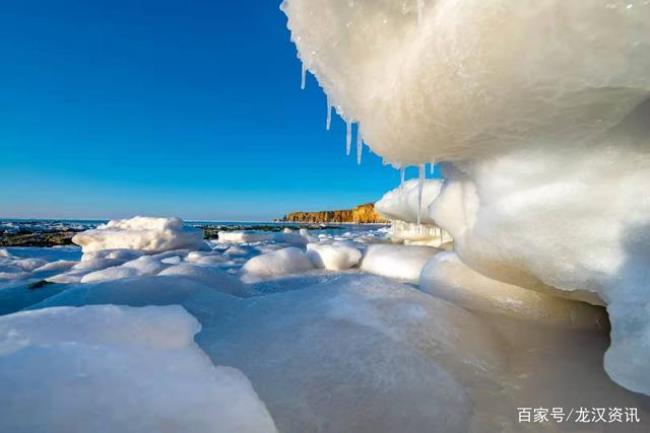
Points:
[(446, 277), (546, 144), (146, 234), (326, 349), (404, 262), (337, 256), (284, 261), (109, 369)]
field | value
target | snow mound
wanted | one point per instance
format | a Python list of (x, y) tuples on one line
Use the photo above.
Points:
[(118, 369), (284, 261), (404, 262), (147, 234), (446, 277), (334, 257)]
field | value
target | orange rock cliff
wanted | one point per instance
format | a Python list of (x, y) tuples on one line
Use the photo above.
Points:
[(362, 214)]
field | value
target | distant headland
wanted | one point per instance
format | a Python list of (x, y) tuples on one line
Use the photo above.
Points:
[(362, 214)]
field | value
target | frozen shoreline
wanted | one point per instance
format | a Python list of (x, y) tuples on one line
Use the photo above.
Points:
[(335, 350)]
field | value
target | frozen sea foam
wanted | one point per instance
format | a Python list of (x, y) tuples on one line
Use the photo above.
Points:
[(547, 143), (120, 369), (148, 234)]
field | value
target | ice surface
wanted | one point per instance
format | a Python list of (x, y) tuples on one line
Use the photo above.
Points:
[(337, 256), (446, 277), (248, 237), (123, 369), (145, 265), (146, 234), (403, 262), (357, 354), (240, 237), (142, 291), (284, 261), (329, 351), (540, 111), (207, 276), (368, 355)]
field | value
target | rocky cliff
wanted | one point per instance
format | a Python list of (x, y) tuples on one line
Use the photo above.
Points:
[(364, 214)]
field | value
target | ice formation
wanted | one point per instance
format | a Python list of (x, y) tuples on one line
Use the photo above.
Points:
[(407, 204), (360, 354), (446, 277), (404, 262), (402, 203), (208, 276), (337, 256), (140, 233), (112, 369), (247, 237), (540, 111), (325, 350), (238, 237), (284, 261)]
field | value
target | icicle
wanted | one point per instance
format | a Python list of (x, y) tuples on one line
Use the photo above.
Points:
[(359, 144), (420, 186), (420, 5), (328, 122), (303, 77), (402, 175), (348, 138), (432, 167)]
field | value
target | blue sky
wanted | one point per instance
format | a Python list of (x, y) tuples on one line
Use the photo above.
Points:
[(116, 108)]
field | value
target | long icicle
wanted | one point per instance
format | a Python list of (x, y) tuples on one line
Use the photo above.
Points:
[(359, 144), (303, 77), (420, 6), (420, 187), (328, 121), (348, 138), (402, 176)]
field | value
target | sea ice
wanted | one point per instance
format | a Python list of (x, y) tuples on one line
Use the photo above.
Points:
[(148, 234), (334, 352), (141, 291), (446, 277), (243, 237), (111, 369), (403, 262), (357, 354), (145, 265), (402, 203), (334, 257), (289, 260), (546, 144), (208, 276)]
